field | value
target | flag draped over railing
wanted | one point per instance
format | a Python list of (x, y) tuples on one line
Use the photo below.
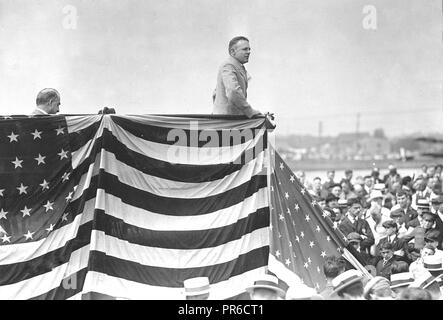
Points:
[(130, 206)]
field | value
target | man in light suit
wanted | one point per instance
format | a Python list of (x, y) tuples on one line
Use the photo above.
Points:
[(232, 82), (48, 102)]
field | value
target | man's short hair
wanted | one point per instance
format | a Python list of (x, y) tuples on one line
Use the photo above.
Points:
[(402, 193), (399, 267), (46, 95), (333, 266), (234, 41), (389, 224), (352, 201), (387, 246)]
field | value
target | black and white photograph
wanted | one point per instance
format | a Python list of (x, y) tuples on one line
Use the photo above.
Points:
[(221, 150)]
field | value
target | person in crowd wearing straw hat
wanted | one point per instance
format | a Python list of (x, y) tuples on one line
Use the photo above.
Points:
[(427, 281), (332, 267), (376, 200), (302, 292), (375, 222), (400, 281), (422, 206), (266, 288), (417, 266), (197, 288), (414, 294), (433, 264), (378, 288), (349, 285)]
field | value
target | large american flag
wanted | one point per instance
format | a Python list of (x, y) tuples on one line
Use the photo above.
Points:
[(111, 206), (106, 205)]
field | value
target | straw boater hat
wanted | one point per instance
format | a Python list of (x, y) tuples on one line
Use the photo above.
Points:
[(196, 286), (424, 280), (375, 194), (423, 203), (379, 186), (376, 283), (302, 292), (432, 263), (402, 279), (345, 279), (267, 281)]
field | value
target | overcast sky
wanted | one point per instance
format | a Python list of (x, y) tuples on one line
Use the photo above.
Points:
[(311, 60)]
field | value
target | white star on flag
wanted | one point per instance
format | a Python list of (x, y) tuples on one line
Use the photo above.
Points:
[(302, 234), (323, 254), (309, 260), (290, 244), (303, 191), (286, 195), (307, 218), (313, 203), (7, 117), (51, 227), (335, 226), (29, 235), (65, 176), (297, 239), (281, 217), (318, 269), (63, 154), (281, 166), (318, 229), (1, 192), (288, 211), (26, 211), (325, 214), (13, 137), (69, 197), (306, 265), (297, 207), (48, 206), (37, 134), (3, 214), (65, 216), (6, 238), (328, 238), (40, 159), (292, 179), (22, 189), (44, 184), (277, 253), (17, 163), (59, 131), (311, 244), (287, 262)]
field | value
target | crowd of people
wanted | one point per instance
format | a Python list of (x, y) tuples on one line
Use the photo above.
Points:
[(394, 226)]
